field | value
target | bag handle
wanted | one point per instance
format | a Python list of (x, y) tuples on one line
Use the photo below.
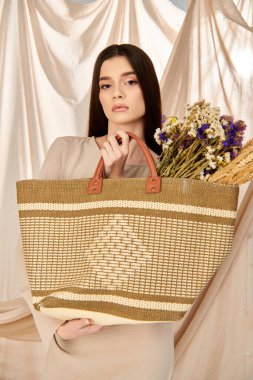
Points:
[(153, 183)]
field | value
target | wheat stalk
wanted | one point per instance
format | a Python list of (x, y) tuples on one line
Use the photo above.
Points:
[(238, 171)]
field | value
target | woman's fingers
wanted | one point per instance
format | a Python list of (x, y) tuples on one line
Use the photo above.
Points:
[(83, 322), (125, 141), (91, 329), (110, 151), (114, 149), (77, 327), (115, 154), (114, 145)]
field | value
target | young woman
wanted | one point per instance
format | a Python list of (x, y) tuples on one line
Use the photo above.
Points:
[(125, 97)]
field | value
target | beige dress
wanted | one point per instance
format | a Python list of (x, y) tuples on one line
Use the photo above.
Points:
[(118, 352)]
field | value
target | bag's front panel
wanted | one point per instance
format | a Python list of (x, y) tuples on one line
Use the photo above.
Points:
[(140, 256)]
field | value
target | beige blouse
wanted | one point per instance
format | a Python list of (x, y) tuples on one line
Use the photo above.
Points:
[(118, 352)]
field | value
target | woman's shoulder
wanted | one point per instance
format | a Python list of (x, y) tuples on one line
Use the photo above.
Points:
[(67, 144), (65, 153), (72, 140)]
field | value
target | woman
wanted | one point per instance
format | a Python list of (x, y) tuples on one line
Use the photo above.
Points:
[(125, 97)]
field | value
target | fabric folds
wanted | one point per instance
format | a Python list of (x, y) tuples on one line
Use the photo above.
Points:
[(47, 52)]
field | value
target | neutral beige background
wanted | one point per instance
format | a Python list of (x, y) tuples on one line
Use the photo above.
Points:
[(47, 51)]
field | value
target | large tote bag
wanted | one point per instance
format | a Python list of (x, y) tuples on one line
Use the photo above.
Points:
[(132, 250)]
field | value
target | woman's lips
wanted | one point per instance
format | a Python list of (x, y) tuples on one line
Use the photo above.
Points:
[(119, 108)]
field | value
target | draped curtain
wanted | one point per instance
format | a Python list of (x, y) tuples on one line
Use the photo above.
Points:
[(47, 52)]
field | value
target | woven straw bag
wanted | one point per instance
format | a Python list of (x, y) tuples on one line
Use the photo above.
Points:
[(132, 250)]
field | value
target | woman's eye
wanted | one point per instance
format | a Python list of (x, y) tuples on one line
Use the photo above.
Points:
[(105, 86), (131, 82)]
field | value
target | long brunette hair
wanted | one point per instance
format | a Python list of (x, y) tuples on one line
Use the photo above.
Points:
[(145, 72)]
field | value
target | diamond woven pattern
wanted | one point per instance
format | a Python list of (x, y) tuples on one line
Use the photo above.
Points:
[(140, 256)]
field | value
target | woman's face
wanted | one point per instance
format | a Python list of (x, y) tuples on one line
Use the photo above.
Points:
[(120, 93)]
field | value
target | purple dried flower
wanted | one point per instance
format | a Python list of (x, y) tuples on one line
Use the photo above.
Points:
[(163, 136), (201, 131), (234, 132), (228, 118), (240, 125), (229, 142), (233, 154)]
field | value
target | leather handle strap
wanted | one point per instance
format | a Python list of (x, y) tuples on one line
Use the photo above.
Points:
[(153, 183)]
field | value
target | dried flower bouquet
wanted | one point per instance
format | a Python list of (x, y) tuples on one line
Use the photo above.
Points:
[(202, 145)]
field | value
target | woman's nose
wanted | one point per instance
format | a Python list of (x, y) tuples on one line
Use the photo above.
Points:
[(118, 93)]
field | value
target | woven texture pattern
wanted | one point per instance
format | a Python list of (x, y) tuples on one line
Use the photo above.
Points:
[(144, 257)]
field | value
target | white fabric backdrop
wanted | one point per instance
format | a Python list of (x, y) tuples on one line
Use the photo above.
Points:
[(47, 51)]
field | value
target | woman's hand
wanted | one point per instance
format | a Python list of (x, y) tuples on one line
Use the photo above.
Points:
[(76, 328), (115, 154)]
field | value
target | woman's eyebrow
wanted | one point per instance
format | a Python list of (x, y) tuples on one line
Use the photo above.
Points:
[(122, 75)]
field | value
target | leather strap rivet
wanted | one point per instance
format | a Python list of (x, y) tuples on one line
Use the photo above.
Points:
[(94, 189), (152, 188), (153, 180), (95, 182)]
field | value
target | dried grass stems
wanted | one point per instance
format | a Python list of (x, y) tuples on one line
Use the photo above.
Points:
[(239, 170)]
